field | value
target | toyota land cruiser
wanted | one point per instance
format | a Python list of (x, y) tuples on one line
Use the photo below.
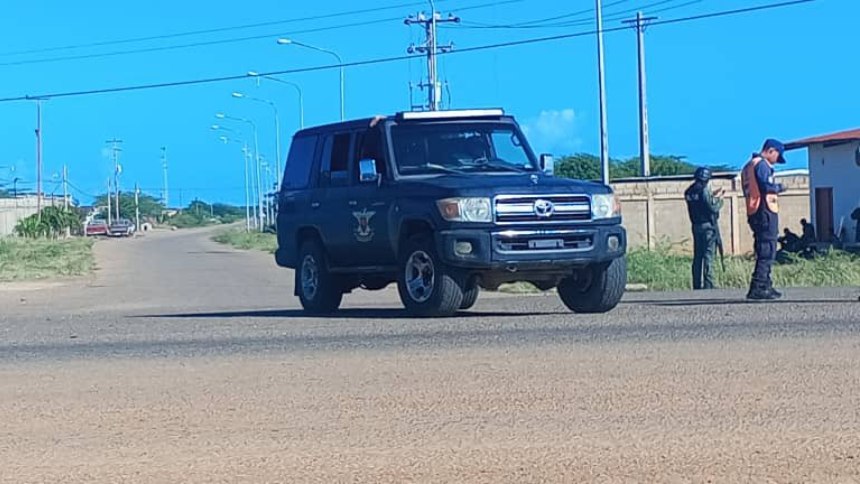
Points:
[(442, 203)]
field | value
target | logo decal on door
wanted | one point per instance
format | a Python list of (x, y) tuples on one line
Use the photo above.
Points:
[(363, 231)]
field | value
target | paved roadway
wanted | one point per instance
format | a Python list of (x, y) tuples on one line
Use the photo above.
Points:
[(183, 361)]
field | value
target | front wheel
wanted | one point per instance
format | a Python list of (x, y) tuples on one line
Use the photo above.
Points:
[(427, 287), (470, 295), (319, 291), (596, 289)]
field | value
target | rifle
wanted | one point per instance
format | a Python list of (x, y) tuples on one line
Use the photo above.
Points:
[(720, 244), (715, 221)]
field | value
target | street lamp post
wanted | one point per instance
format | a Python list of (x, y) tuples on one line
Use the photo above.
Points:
[(224, 139), (326, 51), (271, 104), (257, 162), (297, 87)]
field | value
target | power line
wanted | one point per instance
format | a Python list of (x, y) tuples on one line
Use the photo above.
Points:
[(80, 191), (568, 15), (231, 40), (385, 60), (210, 31), (573, 21)]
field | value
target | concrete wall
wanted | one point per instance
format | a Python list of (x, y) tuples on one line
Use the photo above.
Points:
[(655, 212), (836, 167), (14, 209)]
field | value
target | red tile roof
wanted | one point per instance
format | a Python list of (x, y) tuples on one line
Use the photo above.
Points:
[(850, 135)]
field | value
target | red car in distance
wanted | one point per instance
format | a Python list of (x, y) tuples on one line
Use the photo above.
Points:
[(96, 227)]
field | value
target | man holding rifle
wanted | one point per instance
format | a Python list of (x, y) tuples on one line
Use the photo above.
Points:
[(704, 207)]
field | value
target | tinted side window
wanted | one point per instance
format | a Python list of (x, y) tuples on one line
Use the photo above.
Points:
[(335, 162), (299, 162), (370, 145)]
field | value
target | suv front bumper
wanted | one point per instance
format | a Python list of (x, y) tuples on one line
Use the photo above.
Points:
[(532, 249)]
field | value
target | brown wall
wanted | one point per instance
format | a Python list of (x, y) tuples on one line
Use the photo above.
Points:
[(655, 213)]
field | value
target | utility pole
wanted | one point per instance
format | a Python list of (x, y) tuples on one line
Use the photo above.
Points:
[(115, 149), (39, 156), (165, 200), (136, 207), (431, 49), (644, 143), (604, 135), (108, 202), (247, 189), (66, 196), (65, 187)]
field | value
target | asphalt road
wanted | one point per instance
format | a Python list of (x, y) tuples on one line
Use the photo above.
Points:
[(184, 361)]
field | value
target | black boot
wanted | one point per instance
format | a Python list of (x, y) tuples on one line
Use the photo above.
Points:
[(773, 292), (760, 293)]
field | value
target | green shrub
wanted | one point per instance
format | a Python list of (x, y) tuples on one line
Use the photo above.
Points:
[(240, 239), (51, 222)]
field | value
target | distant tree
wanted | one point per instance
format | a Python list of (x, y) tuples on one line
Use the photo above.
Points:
[(150, 207), (199, 213), (581, 166), (222, 210), (585, 166)]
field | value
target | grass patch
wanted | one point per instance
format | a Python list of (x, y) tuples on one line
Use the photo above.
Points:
[(662, 270), (29, 259), (240, 239)]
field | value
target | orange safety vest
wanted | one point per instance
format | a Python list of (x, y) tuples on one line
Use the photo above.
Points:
[(752, 192)]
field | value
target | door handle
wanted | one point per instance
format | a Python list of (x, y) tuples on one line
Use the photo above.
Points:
[(353, 203), (315, 204)]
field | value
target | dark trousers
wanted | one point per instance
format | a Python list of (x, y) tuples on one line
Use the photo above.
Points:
[(765, 227), (704, 248)]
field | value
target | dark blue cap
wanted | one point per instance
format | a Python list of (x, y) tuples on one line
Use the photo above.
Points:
[(776, 145)]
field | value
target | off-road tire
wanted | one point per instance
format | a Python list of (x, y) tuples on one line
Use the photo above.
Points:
[(328, 294), (470, 295), (601, 293), (445, 295)]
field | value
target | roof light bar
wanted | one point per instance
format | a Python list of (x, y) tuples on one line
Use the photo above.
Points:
[(463, 113)]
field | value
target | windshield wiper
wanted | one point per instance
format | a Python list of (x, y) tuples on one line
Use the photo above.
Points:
[(446, 169), (500, 164)]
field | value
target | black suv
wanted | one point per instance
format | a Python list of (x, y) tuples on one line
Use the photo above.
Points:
[(442, 203)]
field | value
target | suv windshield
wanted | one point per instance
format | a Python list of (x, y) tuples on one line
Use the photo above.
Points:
[(422, 149)]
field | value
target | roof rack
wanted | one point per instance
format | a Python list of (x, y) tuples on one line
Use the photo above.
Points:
[(451, 114)]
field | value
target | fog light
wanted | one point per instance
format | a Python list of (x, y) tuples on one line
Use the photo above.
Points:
[(613, 243), (462, 248)]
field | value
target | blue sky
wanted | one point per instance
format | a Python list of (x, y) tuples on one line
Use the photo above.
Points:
[(716, 87)]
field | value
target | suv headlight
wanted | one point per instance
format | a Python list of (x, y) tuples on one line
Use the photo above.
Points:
[(466, 209), (605, 206)]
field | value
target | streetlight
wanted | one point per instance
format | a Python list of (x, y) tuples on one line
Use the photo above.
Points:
[(239, 95), (297, 87), (283, 41), (224, 139), (257, 161)]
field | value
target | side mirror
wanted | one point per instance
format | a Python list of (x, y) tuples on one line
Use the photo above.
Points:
[(367, 170), (547, 164)]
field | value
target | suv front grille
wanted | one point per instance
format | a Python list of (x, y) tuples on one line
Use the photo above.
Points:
[(543, 241), (542, 209)]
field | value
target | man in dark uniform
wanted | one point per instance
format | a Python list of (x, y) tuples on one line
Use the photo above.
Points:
[(762, 199), (704, 209)]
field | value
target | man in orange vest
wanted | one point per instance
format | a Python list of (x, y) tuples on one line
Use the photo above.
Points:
[(762, 199)]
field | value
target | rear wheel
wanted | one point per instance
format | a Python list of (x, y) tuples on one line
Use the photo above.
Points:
[(319, 291), (596, 289), (427, 287)]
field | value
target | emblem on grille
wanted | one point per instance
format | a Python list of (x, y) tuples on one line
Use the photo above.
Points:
[(543, 208)]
